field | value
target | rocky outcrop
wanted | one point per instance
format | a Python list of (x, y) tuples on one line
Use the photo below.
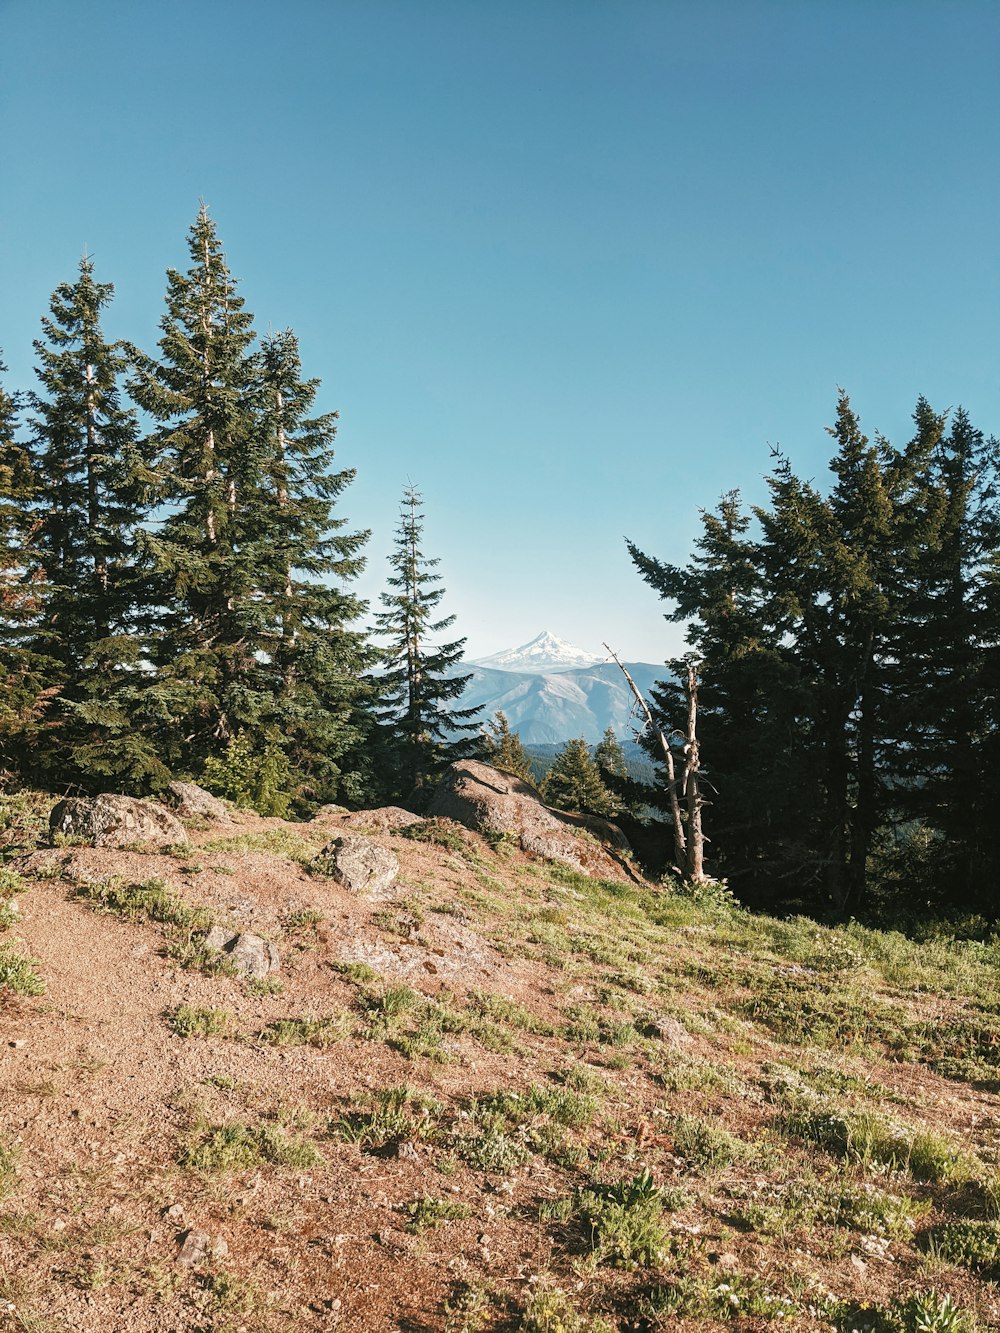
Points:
[(193, 802), (251, 955), (116, 821), (498, 804), (386, 819), (358, 864)]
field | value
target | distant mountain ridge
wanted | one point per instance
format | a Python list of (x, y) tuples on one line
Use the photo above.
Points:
[(553, 704)]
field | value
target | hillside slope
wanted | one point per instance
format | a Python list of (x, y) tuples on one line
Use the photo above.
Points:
[(502, 1096)]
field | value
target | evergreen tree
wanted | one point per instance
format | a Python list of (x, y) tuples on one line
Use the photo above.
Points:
[(25, 674), (574, 782), (315, 660), (424, 734), (610, 757), (846, 665), (503, 749), (749, 699), (938, 697), (206, 458), (89, 499)]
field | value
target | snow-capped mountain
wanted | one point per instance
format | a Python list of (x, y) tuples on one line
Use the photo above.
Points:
[(552, 691), (546, 652)]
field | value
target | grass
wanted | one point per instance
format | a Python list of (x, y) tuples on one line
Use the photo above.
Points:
[(428, 1212), (703, 1145), (623, 1223), (392, 1116), (9, 1157), (18, 974), (279, 842), (869, 1138), (321, 1032), (151, 900), (189, 1021), (974, 1245), (239, 1147)]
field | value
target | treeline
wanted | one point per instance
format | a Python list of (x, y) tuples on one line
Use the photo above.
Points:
[(176, 582), (849, 649)]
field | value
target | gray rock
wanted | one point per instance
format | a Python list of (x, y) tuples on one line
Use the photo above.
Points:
[(111, 820), (358, 864), (198, 1246), (670, 1031), (250, 954), (499, 804), (386, 819), (191, 801)]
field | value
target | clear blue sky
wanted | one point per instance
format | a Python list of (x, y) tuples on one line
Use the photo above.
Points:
[(566, 265)]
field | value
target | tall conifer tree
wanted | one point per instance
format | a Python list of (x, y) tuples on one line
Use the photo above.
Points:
[(201, 391), (424, 733), (90, 505), (306, 561), (26, 690)]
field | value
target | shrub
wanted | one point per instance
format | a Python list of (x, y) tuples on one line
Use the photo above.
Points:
[(17, 974), (625, 1222), (973, 1245)]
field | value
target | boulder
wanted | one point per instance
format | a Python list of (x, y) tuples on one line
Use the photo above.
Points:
[(386, 819), (192, 802), (359, 864), (499, 804), (116, 821), (250, 954)]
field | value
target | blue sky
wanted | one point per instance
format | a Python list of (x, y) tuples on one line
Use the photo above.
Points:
[(566, 265)]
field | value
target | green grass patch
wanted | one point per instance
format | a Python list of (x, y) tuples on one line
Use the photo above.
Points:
[(972, 1245), (18, 974), (240, 1147), (324, 1031), (395, 1115), (864, 1136), (188, 1021), (151, 900), (429, 1212), (624, 1223), (703, 1145)]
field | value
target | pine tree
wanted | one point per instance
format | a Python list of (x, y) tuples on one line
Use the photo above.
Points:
[(939, 702), (748, 700), (574, 782), (206, 458), (424, 734), (503, 749), (89, 508), (26, 675), (315, 661)]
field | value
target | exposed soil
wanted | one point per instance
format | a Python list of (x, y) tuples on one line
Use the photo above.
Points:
[(100, 1100)]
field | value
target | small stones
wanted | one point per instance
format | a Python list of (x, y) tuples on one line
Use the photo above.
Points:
[(669, 1031), (250, 954), (197, 1246), (358, 864)]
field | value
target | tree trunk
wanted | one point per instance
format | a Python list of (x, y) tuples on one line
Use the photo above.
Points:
[(677, 819), (692, 785)]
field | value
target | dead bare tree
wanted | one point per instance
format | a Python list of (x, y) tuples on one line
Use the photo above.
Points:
[(689, 842)]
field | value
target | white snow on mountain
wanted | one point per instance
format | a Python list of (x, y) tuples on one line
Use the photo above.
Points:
[(546, 653)]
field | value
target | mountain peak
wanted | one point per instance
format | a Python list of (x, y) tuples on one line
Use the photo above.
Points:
[(546, 652)]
